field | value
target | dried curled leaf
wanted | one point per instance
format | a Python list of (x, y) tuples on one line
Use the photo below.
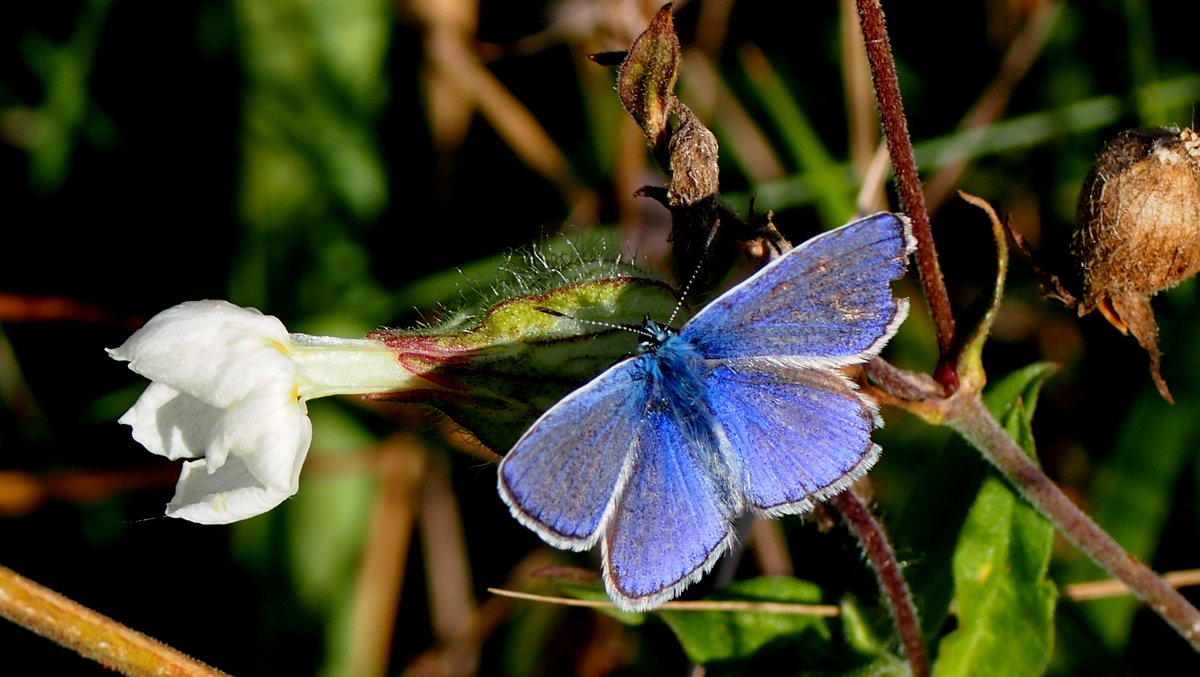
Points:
[(646, 80), (687, 150)]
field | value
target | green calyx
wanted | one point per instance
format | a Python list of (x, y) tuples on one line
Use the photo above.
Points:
[(495, 372)]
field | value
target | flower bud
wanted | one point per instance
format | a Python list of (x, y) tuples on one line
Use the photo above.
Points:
[(1138, 229)]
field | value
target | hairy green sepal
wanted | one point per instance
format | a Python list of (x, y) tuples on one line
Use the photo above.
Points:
[(496, 374)]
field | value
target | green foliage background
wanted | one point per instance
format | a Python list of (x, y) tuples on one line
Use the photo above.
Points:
[(288, 155)]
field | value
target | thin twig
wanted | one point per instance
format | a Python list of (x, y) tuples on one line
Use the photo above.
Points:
[(908, 183), (826, 610), (1110, 587), (115, 646), (879, 551), (1078, 592)]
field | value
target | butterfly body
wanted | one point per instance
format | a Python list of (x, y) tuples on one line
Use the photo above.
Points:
[(742, 409)]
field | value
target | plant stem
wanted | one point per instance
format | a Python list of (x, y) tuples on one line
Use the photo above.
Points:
[(908, 182), (92, 635), (879, 551), (979, 428)]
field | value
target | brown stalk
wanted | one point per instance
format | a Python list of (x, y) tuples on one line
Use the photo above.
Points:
[(908, 183), (970, 418), (878, 548), (74, 626), (400, 464)]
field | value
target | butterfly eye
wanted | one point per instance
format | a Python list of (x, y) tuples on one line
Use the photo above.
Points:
[(655, 334)]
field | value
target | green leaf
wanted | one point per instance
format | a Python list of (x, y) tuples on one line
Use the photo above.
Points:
[(595, 593), (885, 665), (1131, 497), (447, 288), (721, 636), (1005, 602), (864, 639), (926, 530), (585, 584), (856, 629), (525, 649), (970, 357)]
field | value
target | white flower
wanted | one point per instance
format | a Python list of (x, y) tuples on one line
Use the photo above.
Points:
[(229, 391)]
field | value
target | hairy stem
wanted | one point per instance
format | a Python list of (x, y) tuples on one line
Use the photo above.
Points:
[(979, 428), (908, 182), (92, 635), (878, 547)]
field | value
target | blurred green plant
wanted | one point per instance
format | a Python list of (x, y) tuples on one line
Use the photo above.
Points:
[(51, 130)]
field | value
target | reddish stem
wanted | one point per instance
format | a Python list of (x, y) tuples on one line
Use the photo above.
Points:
[(878, 547), (908, 182)]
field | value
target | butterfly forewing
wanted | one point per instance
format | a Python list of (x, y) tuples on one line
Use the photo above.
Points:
[(828, 301), (562, 475)]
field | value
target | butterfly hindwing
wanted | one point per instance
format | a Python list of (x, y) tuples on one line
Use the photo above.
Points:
[(827, 301), (675, 515), (802, 434), (562, 475)]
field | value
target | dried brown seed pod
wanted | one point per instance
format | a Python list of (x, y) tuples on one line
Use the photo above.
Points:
[(1137, 229), (694, 171)]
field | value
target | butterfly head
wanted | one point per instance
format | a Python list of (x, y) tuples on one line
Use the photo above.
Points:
[(655, 334)]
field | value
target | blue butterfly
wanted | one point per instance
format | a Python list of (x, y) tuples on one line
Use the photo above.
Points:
[(743, 409)]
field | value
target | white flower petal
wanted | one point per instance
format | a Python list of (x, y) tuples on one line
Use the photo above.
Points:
[(229, 390), (230, 494), (269, 439), (170, 423), (212, 350)]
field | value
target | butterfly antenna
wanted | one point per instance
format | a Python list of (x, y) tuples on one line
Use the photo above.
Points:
[(687, 286), (599, 323)]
